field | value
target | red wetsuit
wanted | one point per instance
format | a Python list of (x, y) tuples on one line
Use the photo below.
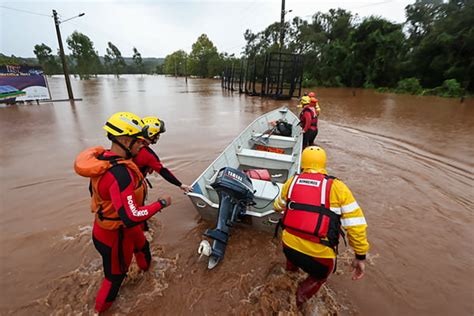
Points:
[(147, 161), (117, 236), (309, 124)]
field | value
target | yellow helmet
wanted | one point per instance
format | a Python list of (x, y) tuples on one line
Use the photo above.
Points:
[(153, 126), (124, 124), (313, 157), (305, 100)]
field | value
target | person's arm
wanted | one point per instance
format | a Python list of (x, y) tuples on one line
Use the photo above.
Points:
[(151, 159), (280, 202), (124, 200), (168, 176), (355, 225)]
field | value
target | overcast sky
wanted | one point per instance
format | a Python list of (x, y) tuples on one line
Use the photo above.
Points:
[(158, 28)]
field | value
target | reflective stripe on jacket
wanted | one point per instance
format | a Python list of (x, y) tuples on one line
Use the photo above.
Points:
[(308, 214), (342, 202)]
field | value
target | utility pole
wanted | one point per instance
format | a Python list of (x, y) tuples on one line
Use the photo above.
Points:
[(282, 25), (186, 69), (63, 57)]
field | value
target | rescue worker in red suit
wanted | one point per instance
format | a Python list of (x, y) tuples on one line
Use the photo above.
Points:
[(309, 120), (118, 190), (148, 161), (316, 206)]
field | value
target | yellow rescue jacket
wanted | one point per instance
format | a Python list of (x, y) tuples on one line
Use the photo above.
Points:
[(342, 203)]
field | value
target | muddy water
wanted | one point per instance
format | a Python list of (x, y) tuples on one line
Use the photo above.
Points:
[(408, 161)]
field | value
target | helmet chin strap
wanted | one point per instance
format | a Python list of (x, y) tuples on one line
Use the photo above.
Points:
[(128, 151)]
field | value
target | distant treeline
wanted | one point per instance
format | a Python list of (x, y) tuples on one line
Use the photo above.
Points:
[(432, 52), (80, 66)]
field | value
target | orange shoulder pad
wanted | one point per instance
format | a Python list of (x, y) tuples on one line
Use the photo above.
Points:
[(87, 164)]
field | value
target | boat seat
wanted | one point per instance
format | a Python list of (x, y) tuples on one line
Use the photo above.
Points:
[(279, 137), (264, 159), (273, 140), (259, 154)]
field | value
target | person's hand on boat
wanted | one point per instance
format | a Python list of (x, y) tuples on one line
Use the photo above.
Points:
[(186, 188), (165, 201), (358, 269)]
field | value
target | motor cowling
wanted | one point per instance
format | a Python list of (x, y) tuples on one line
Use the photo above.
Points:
[(235, 183)]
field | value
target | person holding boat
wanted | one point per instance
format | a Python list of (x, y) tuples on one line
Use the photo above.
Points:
[(117, 190), (309, 121), (148, 161), (315, 208)]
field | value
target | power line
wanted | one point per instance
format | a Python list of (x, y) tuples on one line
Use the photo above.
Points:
[(371, 4), (25, 11)]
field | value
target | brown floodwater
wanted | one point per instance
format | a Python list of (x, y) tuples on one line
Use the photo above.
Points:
[(408, 160)]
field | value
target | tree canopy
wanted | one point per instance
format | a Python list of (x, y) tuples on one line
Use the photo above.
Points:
[(113, 60), (86, 59), (46, 59)]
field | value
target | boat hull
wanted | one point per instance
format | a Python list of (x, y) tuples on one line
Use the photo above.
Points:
[(245, 153)]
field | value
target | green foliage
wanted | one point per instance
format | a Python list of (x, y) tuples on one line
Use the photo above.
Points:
[(202, 57), (113, 60), (341, 51), (47, 60), (137, 59), (435, 52), (409, 85), (444, 48), (263, 42), (13, 60), (176, 63), (86, 59), (377, 47), (450, 89)]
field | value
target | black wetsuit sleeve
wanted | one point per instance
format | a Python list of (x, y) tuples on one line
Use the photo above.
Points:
[(168, 176)]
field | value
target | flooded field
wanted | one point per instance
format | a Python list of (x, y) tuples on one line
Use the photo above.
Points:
[(407, 159)]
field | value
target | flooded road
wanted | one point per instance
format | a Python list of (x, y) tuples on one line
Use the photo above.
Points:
[(407, 159)]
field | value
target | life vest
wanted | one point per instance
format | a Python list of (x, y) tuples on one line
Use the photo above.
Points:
[(92, 164), (308, 214), (270, 149), (314, 116)]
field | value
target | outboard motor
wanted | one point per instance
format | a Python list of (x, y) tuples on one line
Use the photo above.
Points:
[(235, 191)]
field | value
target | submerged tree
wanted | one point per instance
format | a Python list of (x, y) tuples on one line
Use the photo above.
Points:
[(203, 54), (175, 63), (137, 59), (46, 59), (114, 60), (86, 59)]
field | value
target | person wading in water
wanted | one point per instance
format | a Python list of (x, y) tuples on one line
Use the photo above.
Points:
[(315, 208), (118, 189), (309, 120)]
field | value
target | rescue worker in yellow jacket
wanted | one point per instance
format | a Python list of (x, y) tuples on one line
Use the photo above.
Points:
[(316, 206)]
